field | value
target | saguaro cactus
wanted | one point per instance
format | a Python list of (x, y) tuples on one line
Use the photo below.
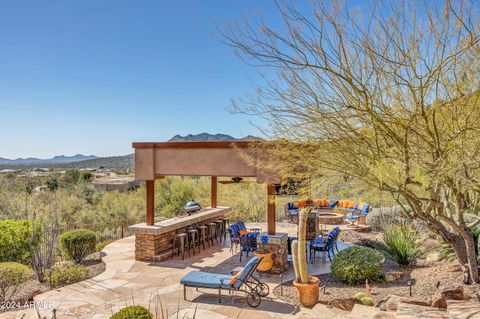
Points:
[(298, 249)]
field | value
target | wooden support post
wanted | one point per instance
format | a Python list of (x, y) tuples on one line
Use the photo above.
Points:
[(271, 209), (150, 202), (213, 195)]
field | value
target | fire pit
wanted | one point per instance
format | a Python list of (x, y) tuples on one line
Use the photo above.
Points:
[(328, 217)]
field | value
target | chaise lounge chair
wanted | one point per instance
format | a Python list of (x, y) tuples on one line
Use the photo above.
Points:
[(245, 282)]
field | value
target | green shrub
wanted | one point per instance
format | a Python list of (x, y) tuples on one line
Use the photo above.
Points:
[(367, 301), (403, 243), (15, 237), (12, 274), (66, 274), (355, 264), (132, 312), (381, 217), (77, 244)]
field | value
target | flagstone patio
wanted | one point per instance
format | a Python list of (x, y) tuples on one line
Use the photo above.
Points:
[(156, 286)]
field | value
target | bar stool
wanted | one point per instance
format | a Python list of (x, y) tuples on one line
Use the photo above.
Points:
[(212, 232), (179, 243), (192, 239), (202, 230), (226, 224), (219, 230)]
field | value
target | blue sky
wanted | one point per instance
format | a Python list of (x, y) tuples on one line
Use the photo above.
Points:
[(93, 76)]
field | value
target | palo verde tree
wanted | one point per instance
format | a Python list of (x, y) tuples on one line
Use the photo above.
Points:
[(387, 94)]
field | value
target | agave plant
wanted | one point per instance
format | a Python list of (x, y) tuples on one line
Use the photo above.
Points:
[(403, 242)]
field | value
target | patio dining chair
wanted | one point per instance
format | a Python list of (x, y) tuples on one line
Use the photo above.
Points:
[(321, 244)]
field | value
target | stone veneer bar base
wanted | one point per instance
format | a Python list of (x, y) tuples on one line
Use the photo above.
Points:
[(155, 243), (277, 245)]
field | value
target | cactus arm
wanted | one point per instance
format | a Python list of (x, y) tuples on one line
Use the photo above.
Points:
[(295, 259), (302, 258)]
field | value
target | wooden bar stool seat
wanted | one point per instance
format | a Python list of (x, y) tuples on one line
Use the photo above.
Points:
[(192, 239)]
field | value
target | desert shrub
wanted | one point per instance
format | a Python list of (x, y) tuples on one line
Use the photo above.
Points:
[(15, 237), (77, 244), (367, 301), (403, 242), (132, 312), (355, 264), (381, 217), (66, 274), (99, 246), (12, 275)]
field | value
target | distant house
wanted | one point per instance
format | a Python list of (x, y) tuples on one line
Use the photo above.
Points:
[(116, 183)]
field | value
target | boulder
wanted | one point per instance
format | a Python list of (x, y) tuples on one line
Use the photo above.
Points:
[(454, 268), (393, 275), (391, 302), (447, 293), (346, 304)]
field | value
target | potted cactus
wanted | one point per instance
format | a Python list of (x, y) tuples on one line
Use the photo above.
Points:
[(306, 286)]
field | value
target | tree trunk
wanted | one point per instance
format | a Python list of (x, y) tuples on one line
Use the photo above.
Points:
[(464, 247)]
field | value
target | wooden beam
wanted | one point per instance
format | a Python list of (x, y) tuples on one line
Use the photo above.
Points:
[(271, 209), (150, 202), (213, 194)]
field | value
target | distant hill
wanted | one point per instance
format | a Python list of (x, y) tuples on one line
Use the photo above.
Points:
[(211, 137), (61, 159), (125, 161)]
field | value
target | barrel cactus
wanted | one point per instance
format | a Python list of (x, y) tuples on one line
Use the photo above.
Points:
[(298, 246)]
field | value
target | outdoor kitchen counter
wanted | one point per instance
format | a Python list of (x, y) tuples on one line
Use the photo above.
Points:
[(175, 223), (154, 243)]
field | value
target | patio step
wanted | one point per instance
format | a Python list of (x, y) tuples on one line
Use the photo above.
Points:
[(368, 312), (461, 309), (410, 311)]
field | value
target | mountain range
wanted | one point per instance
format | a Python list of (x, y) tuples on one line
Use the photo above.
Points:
[(92, 161), (210, 137), (61, 159)]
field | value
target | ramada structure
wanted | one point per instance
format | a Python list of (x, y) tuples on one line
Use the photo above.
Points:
[(215, 159)]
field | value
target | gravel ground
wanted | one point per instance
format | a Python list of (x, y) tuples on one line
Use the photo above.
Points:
[(425, 276)]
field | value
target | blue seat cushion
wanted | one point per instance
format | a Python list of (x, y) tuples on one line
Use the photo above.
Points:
[(292, 212), (206, 280)]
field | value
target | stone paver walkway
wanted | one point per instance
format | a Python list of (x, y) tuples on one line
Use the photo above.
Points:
[(156, 286)]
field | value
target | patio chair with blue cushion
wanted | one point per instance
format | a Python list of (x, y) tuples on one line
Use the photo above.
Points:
[(291, 211), (355, 214), (321, 244), (243, 281)]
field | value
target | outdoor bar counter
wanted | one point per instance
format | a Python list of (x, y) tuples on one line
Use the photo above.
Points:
[(154, 243)]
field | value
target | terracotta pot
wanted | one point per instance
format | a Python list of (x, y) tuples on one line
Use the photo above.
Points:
[(266, 263), (308, 293)]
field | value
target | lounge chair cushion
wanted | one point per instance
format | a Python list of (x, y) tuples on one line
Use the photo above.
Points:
[(206, 280)]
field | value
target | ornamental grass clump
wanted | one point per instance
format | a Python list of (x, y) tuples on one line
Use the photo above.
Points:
[(403, 242), (355, 264)]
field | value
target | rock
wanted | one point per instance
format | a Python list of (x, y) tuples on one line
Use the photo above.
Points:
[(454, 268), (447, 293), (433, 257), (391, 302), (346, 304), (393, 275)]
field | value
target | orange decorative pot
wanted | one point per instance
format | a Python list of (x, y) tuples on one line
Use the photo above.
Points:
[(266, 263), (308, 293)]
